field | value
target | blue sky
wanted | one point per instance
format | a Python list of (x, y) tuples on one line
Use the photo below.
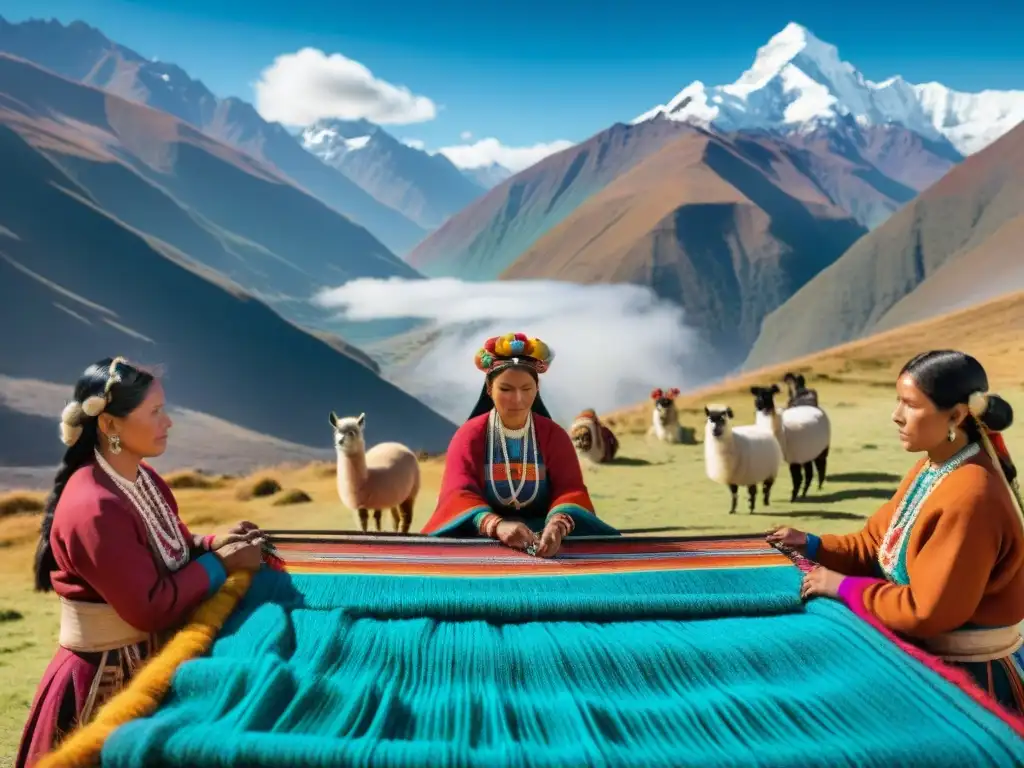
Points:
[(530, 72)]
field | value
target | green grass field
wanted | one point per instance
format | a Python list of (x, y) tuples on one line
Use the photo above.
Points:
[(653, 488)]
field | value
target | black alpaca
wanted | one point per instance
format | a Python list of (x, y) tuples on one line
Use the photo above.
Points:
[(801, 474)]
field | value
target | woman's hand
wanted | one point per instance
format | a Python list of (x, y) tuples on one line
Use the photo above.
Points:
[(550, 540), (515, 535), (788, 537), (241, 531), (821, 582), (241, 555)]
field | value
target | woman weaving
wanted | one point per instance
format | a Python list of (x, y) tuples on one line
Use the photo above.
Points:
[(942, 562), (113, 548), (511, 473)]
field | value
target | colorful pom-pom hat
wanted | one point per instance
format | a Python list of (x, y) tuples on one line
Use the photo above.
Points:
[(513, 349)]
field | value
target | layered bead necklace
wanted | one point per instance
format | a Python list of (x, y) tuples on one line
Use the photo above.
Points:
[(528, 434), (929, 478), (160, 520)]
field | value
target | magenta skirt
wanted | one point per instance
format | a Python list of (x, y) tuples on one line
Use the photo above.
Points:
[(73, 688)]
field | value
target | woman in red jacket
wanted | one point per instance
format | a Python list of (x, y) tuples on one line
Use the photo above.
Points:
[(126, 568)]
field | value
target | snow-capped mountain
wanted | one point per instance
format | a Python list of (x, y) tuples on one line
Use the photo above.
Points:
[(426, 188), (798, 81)]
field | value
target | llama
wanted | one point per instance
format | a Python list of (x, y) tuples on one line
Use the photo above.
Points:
[(803, 431), (740, 455), (799, 394), (665, 419), (386, 476), (593, 440)]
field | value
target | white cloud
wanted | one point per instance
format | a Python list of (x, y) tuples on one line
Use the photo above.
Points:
[(613, 343), (466, 135), (484, 152), (414, 143), (308, 85)]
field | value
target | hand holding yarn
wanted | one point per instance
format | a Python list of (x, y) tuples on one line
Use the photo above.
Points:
[(243, 531), (515, 535), (550, 540), (788, 537), (821, 582), (241, 555)]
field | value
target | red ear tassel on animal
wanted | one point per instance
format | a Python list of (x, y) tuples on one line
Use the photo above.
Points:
[(673, 393), (656, 394)]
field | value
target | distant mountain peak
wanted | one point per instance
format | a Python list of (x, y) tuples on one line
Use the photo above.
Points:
[(798, 82)]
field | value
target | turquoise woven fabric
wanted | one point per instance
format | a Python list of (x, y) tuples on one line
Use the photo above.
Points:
[(683, 668)]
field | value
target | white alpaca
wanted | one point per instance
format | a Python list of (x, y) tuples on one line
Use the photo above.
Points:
[(665, 418), (740, 455), (803, 431), (385, 477)]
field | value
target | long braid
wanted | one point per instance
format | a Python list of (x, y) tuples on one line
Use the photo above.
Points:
[(75, 457)]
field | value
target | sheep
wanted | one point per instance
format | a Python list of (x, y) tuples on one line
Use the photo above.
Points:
[(799, 394), (665, 419), (593, 441), (803, 431), (387, 475), (741, 455)]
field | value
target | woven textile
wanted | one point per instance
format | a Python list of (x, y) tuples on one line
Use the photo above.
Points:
[(398, 652)]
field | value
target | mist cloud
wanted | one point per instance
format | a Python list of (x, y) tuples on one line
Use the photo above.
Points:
[(613, 343)]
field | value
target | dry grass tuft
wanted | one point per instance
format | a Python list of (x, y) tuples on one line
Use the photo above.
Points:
[(292, 496), (22, 502), (257, 487), (192, 479)]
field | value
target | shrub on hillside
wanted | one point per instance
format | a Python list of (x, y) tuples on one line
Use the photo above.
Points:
[(259, 486), (292, 496), (193, 479), (21, 502)]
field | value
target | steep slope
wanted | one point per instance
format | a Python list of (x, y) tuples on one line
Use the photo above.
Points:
[(225, 210), (80, 52), (482, 240), (797, 82), (425, 188), (957, 242), (727, 238), (76, 284)]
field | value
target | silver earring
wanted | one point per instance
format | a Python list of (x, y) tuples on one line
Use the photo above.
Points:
[(115, 444), (951, 436)]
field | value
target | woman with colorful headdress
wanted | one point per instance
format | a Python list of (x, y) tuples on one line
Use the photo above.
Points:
[(512, 473), (941, 563), (126, 568)]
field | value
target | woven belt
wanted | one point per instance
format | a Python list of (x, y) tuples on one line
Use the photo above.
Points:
[(92, 627), (968, 645)]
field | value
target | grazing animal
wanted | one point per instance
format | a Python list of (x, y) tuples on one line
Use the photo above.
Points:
[(385, 477), (740, 455), (799, 394), (592, 439), (803, 431), (665, 419)]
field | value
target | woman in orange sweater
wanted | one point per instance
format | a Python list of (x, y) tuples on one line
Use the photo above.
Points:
[(942, 562)]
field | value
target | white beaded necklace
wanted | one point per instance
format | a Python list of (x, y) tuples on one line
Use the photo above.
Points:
[(162, 524), (529, 432), (911, 505)]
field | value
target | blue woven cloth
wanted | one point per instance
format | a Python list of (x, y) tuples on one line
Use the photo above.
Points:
[(707, 668)]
